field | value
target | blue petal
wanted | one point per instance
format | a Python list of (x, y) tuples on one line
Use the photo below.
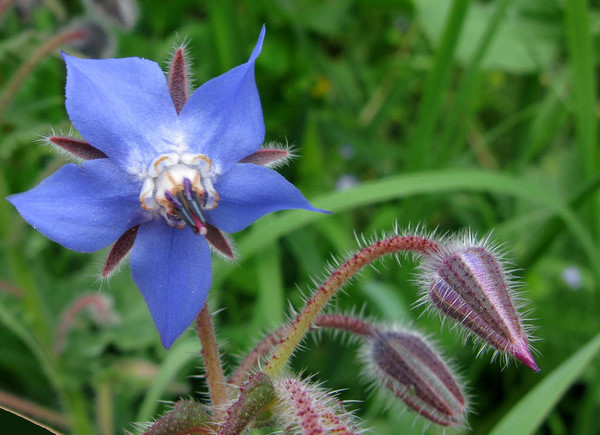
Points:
[(121, 107), (248, 192), (224, 118), (173, 272), (84, 208)]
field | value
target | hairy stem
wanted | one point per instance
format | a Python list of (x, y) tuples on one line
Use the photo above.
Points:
[(313, 307), (336, 321), (212, 363)]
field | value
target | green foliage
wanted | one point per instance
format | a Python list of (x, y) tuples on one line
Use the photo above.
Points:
[(483, 117)]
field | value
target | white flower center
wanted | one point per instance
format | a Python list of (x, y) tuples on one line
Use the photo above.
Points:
[(180, 188)]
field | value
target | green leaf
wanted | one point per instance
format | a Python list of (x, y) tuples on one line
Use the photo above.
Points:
[(182, 352), (524, 43), (527, 415), (406, 185)]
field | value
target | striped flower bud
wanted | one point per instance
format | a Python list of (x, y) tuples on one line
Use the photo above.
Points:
[(466, 281), (405, 364), (306, 409)]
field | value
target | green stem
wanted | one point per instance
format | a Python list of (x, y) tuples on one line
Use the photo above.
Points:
[(104, 408)]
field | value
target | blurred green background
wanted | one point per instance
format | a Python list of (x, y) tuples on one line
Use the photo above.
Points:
[(449, 114)]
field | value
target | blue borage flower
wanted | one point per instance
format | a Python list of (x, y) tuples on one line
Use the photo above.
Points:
[(164, 175)]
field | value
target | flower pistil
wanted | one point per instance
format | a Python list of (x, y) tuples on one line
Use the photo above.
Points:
[(180, 188)]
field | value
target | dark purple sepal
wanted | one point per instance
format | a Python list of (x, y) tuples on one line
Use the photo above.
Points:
[(178, 83), (77, 147), (266, 156), (218, 241), (119, 250)]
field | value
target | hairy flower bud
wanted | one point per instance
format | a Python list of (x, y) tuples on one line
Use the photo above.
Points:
[(466, 281), (186, 416), (404, 363), (306, 409)]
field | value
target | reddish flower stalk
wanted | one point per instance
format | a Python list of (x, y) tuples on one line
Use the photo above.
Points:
[(350, 324), (338, 278), (15, 82), (33, 410), (212, 364), (101, 307), (4, 4)]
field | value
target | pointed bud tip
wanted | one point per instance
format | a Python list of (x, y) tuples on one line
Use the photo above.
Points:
[(523, 354)]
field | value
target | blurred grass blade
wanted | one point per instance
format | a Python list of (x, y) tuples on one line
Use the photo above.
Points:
[(405, 185), (270, 306), (461, 109), (527, 415), (29, 341), (437, 81), (579, 44), (182, 352)]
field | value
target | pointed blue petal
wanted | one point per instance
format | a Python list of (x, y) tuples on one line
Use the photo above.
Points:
[(84, 208), (121, 107), (248, 192), (172, 269), (223, 117)]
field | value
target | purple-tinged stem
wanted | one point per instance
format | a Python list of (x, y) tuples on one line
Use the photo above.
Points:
[(338, 278), (251, 361), (15, 82), (119, 250), (346, 323), (4, 4), (97, 302), (178, 83), (77, 147), (11, 289), (18, 405), (212, 364)]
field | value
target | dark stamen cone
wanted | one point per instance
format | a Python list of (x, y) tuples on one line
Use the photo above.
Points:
[(404, 363), (468, 284)]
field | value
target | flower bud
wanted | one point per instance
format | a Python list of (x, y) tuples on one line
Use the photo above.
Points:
[(186, 416), (466, 281), (404, 363), (307, 409)]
